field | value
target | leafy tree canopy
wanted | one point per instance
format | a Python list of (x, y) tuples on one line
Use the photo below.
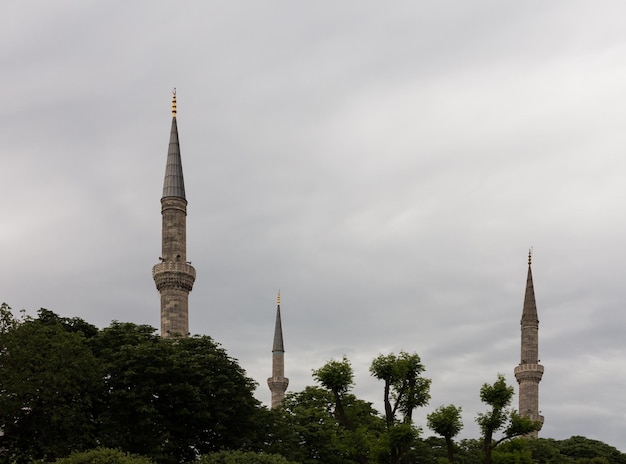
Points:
[(335, 375), (498, 397), (405, 389), (49, 382), (242, 457), (65, 386), (446, 421), (308, 431), (103, 456)]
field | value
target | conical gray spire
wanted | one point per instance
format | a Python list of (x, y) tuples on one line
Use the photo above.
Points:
[(174, 184), (278, 330), (529, 312)]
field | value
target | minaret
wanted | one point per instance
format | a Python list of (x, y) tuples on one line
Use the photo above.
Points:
[(174, 276), (277, 382), (529, 372)]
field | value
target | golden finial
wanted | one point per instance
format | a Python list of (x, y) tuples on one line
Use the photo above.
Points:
[(530, 255), (278, 298), (174, 102)]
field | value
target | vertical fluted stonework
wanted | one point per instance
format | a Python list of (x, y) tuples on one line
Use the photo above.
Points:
[(174, 276), (278, 383), (529, 372)]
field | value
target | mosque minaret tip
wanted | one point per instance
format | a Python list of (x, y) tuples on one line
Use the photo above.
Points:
[(529, 372), (277, 382), (174, 275)]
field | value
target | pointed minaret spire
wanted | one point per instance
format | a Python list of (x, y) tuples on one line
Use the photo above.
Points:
[(530, 345), (278, 382), (278, 330), (174, 184), (174, 276), (529, 372)]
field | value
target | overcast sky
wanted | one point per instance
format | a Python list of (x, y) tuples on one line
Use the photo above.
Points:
[(387, 166)]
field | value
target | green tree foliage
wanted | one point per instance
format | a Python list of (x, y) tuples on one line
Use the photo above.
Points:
[(574, 450), (48, 382), (307, 430), (500, 417), (336, 376), (103, 456), (585, 450), (544, 451), (73, 324), (469, 451), (405, 389), (7, 320), (242, 457), (397, 444), (171, 399), (446, 421), (512, 452), (66, 386)]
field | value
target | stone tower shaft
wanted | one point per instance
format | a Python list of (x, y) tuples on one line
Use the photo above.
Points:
[(174, 276), (278, 382), (529, 372)]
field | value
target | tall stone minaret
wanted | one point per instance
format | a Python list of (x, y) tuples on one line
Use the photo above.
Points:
[(277, 382), (174, 276), (529, 372)]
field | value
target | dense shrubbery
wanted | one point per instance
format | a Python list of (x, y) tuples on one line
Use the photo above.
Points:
[(103, 456), (242, 457)]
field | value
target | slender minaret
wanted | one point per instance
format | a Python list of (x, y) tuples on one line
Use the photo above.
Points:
[(174, 276), (529, 372), (277, 382)]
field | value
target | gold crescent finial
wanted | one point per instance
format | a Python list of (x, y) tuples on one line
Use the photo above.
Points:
[(174, 102), (278, 298)]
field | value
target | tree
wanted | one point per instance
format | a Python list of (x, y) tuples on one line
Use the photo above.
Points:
[(103, 456), (306, 429), (336, 376), (469, 451), (446, 421), (242, 457), (498, 396), (405, 389), (48, 381), (171, 399), (513, 452), (585, 450), (7, 320), (66, 386), (544, 451)]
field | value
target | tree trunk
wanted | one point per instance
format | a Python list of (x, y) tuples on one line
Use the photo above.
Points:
[(340, 413), (487, 446), (388, 411), (450, 447)]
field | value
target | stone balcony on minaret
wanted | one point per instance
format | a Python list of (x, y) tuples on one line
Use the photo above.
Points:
[(181, 275)]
